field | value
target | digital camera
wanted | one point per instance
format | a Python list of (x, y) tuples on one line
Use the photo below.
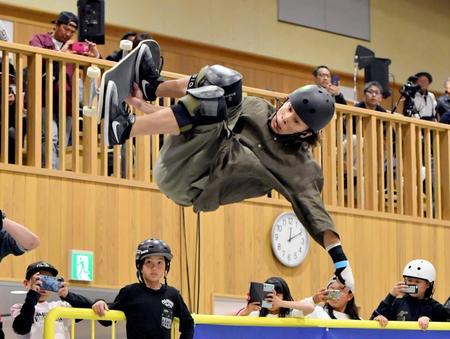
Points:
[(80, 47), (411, 289), (333, 294)]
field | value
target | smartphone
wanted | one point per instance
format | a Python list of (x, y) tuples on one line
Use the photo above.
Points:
[(333, 294), (80, 47), (258, 292), (335, 80), (411, 289), (50, 283), (267, 288)]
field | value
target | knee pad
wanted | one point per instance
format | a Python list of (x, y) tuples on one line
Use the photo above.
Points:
[(200, 106), (226, 78)]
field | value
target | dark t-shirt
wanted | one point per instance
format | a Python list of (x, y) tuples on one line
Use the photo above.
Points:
[(150, 312)]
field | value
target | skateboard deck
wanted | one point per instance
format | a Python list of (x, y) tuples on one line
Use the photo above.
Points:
[(123, 75)]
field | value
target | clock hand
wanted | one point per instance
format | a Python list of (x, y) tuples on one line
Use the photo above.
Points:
[(290, 234), (295, 236)]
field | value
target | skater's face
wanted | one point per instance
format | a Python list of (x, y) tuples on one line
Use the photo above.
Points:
[(153, 270), (286, 121)]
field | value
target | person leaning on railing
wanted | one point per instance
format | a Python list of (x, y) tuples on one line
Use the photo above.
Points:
[(411, 299), (62, 39), (282, 303), (333, 302), (443, 104), (41, 279)]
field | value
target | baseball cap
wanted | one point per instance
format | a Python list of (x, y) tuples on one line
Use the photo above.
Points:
[(67, 18), (40, 266)]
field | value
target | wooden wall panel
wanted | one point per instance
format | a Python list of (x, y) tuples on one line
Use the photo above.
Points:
[(110, 219)]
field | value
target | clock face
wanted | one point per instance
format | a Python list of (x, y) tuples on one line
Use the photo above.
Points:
[(290, 240)]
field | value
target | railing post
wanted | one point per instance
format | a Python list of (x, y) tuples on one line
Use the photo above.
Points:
[(410, 171), (370, 162), (5, 108), (445, 173), (329, 163), (34, 116)]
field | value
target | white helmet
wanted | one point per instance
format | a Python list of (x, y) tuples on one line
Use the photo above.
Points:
[(420, 268)]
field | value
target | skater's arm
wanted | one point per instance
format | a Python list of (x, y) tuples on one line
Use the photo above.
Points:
[(22, 235)]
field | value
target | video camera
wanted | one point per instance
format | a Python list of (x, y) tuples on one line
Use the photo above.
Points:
[(408, 91), (410, 88)]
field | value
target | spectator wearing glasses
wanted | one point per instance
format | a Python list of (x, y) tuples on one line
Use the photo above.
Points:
[(322, 78), (372, 97)]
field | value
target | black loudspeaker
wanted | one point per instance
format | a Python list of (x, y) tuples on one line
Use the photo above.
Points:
[(91, 14), (378, 70)]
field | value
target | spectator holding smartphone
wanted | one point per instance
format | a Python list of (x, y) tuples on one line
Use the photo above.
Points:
[(335, 301), (62, 39), (411, 299), (41, 278), (322, 78), (283, 305)]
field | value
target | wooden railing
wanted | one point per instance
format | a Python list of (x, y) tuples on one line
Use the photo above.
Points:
[(371, 161)]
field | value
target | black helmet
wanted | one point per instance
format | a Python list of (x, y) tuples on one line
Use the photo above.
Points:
[(151, 247), (314, 105)]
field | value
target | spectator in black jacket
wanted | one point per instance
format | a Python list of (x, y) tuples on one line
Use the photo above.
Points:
[(373, 93), (322, 78), (410, 299)]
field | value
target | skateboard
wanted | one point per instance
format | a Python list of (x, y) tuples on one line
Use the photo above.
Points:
[(93, 73), (118, 81)]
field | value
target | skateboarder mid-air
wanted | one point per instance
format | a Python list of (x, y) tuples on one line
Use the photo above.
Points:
[(224, 148)]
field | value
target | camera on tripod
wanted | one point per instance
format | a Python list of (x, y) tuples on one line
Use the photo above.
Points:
[(408, 91)]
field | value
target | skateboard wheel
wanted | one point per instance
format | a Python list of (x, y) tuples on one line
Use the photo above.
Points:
[(93, 72), (126, 45), (89, 111)]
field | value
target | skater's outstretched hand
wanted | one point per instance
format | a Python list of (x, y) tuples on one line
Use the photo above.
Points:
[(136, 99)]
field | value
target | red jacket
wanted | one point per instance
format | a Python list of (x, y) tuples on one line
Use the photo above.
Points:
[(45, 40)]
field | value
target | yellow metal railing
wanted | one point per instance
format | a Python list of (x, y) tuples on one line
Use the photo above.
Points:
[(79, 313), (200, 319), (371, 161)]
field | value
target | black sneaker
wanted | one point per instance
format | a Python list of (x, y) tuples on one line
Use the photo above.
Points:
[(118, 121), (147, 70)]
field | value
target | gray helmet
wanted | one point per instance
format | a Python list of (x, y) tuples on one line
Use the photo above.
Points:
[(314, 105)]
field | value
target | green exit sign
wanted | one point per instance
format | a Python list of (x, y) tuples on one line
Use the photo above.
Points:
[(81, 265)]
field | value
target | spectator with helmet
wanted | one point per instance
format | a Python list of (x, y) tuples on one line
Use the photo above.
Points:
[(28, 318), (411, 299), (424, 101), (283, 304), (150, 305), (322, 78), (225, 148), (62, 40)]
